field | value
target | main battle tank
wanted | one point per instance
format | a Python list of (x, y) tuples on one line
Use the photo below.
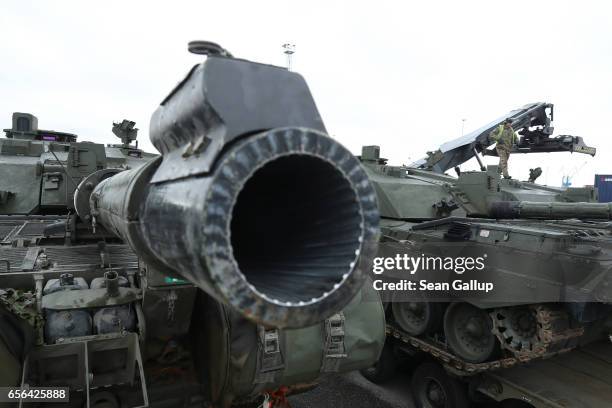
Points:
[(228, 267), (545, 252)]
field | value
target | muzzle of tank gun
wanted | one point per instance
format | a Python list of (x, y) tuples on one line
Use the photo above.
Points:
[(281, 224), (550, 211)]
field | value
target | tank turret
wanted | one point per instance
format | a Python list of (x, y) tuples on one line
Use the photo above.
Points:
[(46, 165)]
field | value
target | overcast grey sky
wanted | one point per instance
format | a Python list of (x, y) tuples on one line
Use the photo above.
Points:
[(398, 74)]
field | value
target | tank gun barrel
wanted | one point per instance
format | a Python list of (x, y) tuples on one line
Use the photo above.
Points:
[(551, 210), (251, 201)]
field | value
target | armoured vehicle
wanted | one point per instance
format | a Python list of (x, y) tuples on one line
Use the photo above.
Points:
[(546, 253), (37, 180), (227, 268)]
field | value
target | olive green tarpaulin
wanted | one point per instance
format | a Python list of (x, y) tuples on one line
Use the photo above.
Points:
[(240, 361)]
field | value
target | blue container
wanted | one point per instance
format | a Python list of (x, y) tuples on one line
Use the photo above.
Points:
[(603, 183)]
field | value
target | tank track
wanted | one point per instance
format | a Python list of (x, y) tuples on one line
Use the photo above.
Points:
[(556, 338), (553, 333)]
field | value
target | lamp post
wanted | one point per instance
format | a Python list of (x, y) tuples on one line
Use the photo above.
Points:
[(289, 50)]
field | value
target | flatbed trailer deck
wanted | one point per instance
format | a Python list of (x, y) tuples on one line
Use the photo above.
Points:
[(580, 378)]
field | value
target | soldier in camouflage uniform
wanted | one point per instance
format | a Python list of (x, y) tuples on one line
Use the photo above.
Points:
[(505, 137)]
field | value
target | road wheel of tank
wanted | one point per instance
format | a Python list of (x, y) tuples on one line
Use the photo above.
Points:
[(468, 332), (432, 387), (417, 318), (384, 369)]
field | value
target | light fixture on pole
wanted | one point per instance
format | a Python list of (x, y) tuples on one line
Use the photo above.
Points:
[(289, 50)]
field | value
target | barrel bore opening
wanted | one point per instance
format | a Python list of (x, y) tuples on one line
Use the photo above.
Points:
[(296, 228)]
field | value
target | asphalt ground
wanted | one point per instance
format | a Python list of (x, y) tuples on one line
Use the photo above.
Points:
[(352, 390)]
